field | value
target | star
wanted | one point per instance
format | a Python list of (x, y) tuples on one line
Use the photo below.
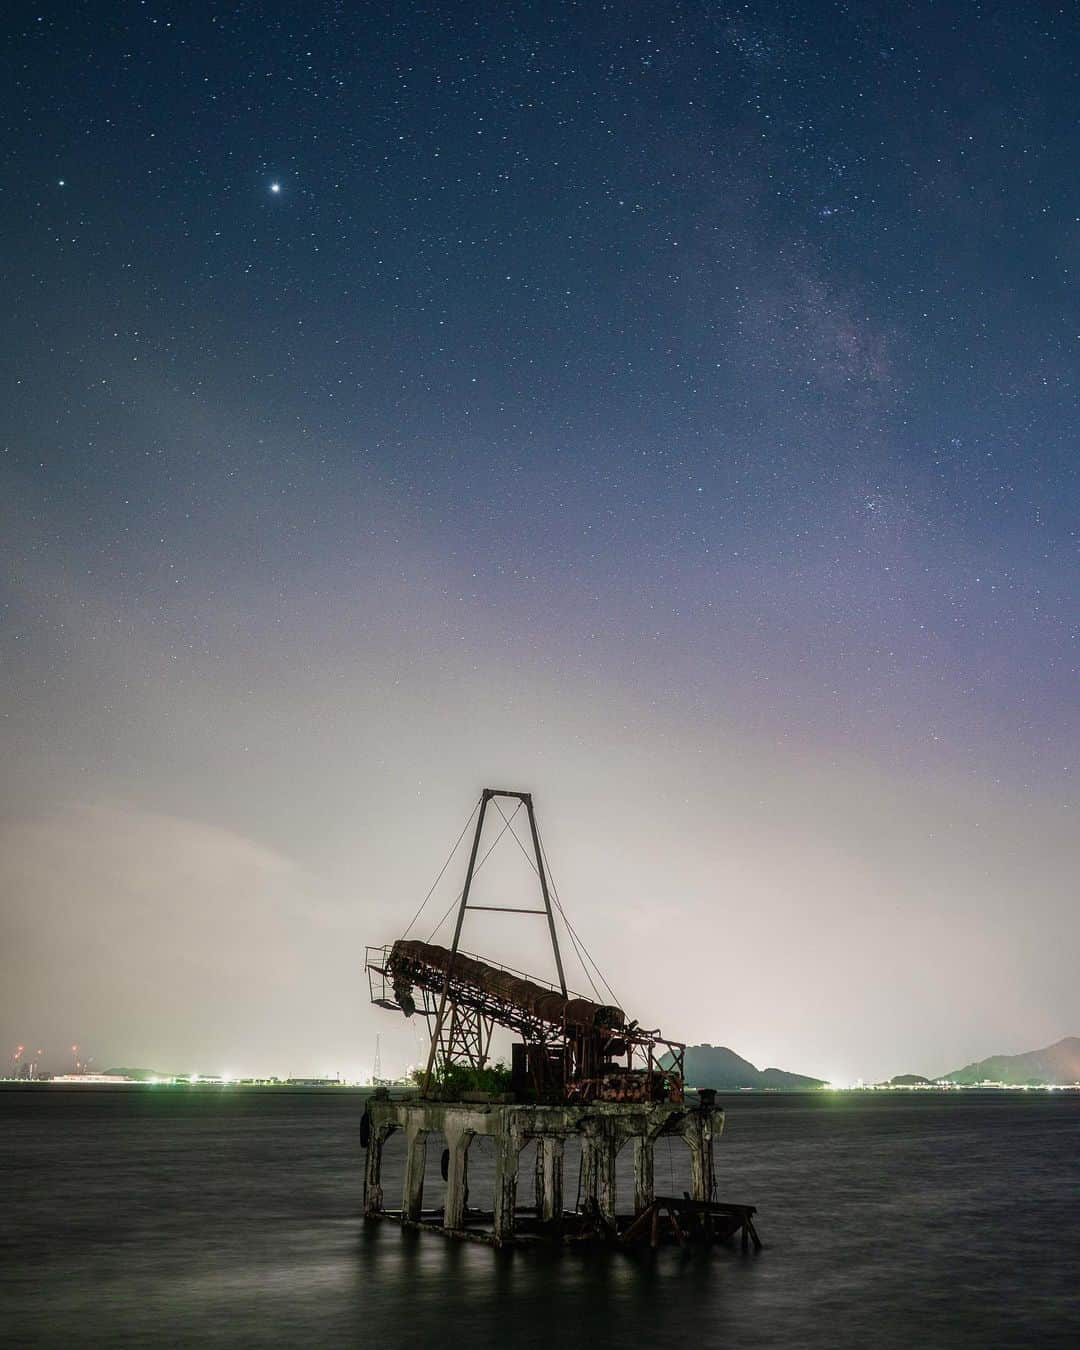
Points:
[(275, 188)]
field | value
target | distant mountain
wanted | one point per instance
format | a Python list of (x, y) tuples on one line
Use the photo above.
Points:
[(1059, 1063), (909, 1080), (715, 1066)]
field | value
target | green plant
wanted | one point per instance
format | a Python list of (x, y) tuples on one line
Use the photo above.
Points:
[(454, 1079)]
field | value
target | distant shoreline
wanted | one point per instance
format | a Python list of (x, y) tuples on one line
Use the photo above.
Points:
[(42, 1084), (360, 1090)]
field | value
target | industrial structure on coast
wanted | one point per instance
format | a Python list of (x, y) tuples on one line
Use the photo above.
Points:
[(581, 1071)]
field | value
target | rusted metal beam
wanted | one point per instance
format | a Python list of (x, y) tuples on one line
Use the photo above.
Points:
[(505, 909), (457, 936)]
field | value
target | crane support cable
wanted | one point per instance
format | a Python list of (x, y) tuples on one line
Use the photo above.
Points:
[(569, 925), (575, 940), (570, 933), (483, 860), (442, 869)]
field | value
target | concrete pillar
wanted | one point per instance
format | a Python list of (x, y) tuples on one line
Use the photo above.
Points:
[(589, 1167), (698, 1189), (598, 1174), (549, 1177), (698, 1134), (605, 1177), (415, 1161), (644, 1189), (373, 1193), (457, 1142), (506, 1169), (708, 1138), (538, 1178)]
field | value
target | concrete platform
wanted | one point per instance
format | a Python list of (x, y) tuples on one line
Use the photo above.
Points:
[(602, 1127)]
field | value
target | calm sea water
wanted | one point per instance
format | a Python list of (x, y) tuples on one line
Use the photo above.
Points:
[(165, 1217)]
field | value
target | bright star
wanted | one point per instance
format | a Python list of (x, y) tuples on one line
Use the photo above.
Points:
[(275, 187)]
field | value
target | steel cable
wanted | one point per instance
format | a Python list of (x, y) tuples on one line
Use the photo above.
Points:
[(442, 869), (573, 941), (477, 868), (569, 925)]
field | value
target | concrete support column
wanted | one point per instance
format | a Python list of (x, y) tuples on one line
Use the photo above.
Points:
[(415, 1161), (506, 1170), (373, 1193), (708, 1137), (457, 1142), (699, 1140), (549, 1177), (598, 1174), (605, 1177), (589, 1167), (644, 1189)]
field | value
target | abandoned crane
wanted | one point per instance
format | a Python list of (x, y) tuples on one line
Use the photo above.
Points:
[(580, 1070)]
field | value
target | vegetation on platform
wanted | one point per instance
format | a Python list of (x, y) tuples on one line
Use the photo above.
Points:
[(452, 1080)]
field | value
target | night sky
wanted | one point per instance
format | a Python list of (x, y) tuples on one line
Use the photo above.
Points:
[(669, 409)]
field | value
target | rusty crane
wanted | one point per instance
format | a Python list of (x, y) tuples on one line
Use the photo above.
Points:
[(583, 1074), (570, 1048)]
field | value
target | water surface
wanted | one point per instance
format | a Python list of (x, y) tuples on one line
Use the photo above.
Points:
[(211, 1217)]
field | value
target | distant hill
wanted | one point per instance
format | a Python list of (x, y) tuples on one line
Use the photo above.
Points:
[(1059, 1063), (909, 1080), (140, 1075), (715, 1066)]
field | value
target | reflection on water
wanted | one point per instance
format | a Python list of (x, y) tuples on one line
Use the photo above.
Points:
[(203, 1218)]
